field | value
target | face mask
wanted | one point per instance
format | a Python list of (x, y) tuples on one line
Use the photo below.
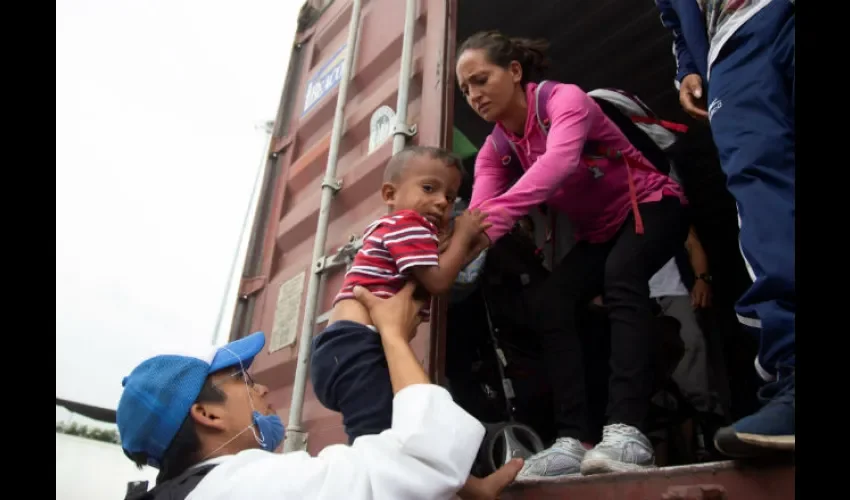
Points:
[(271, 431)]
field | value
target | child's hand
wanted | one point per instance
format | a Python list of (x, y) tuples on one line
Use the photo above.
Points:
[(470, 225)]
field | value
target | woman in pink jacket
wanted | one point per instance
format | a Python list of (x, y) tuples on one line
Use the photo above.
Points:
[(628, 220)]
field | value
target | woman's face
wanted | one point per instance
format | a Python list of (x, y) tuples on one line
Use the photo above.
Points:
[(488, 88)]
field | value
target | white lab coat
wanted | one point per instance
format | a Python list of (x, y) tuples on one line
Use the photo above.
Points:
[(427, 455)]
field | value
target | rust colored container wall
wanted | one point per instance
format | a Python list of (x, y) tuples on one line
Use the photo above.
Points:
[(302, 155), (719, 480)]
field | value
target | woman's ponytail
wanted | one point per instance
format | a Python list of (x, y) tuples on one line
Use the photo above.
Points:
[(501, 51), (531, 54)]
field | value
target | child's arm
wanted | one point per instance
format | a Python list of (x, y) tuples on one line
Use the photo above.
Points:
[(439, 280), (413, 244)]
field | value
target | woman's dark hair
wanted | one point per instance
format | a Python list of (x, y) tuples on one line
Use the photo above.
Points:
[(502, 50), (183, 450)]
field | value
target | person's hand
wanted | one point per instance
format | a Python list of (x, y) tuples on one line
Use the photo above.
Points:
[(397, 316), (701, 295), (470, 225), (490, 487), (691, 98)]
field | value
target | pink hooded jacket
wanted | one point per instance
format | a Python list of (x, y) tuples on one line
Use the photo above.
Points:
[(597, 197)]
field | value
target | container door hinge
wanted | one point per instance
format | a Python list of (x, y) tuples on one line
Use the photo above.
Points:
[(404, 129), (296, 440), (251, 286), (343, 257), (334, 184)]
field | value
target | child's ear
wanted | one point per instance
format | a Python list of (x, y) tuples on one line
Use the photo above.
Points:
[(388, 192)]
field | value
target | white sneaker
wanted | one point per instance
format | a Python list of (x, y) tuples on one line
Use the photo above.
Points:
[(562, 459), (623, 448)]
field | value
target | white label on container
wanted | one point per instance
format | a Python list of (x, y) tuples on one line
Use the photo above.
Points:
[(381, 127), (324, 80), (287, 312)]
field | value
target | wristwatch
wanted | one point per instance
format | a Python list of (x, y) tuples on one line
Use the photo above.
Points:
[(705, 277)]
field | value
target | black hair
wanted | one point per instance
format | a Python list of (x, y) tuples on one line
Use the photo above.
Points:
[(502, 50), (399, 160), (182, 453)]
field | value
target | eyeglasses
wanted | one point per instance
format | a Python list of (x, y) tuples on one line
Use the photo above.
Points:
[(241, 374)]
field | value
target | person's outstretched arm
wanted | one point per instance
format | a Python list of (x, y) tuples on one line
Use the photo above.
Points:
[(427, 454)]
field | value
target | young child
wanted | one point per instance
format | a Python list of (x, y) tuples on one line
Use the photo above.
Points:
[(348, 368)]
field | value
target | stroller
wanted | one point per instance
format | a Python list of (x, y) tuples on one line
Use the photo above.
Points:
[(510, 439), (493, 366)]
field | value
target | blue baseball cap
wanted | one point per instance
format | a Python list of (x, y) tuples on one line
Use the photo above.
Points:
[(159, 393)]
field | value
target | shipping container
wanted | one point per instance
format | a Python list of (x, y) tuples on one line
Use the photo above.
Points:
[(600, 43)]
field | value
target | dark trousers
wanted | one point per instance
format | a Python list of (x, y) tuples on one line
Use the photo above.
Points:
[(349, 373), (752, 106), (620, 269)]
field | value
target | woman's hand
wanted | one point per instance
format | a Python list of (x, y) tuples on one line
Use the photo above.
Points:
[(397, 317), (470, 225), (477, 245)]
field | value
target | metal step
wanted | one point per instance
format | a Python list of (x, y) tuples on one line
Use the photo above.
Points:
[(733, 480)]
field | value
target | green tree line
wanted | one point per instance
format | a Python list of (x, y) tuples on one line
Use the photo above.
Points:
[(74, 429)]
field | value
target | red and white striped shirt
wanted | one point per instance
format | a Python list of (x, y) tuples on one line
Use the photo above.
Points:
[(392, 247)]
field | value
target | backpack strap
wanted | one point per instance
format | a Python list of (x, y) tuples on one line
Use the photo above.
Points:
[(651, 118), (672, 126), (635, 99), (541, 99), (505, 148), (507, 151)]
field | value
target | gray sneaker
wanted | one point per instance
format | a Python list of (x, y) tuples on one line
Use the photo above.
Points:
[(623, 448), (562, 459)]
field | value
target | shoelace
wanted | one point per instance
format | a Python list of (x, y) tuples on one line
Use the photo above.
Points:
[(565, 442), (615, 434)]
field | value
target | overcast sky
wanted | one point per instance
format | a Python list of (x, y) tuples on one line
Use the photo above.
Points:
[(156, 155)]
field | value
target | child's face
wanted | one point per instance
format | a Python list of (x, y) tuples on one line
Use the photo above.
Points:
[(426, 186)]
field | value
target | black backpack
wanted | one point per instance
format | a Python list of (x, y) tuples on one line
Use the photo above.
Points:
[(173, 489)]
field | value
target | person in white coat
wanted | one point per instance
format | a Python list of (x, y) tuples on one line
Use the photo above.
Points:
[(205, 424)]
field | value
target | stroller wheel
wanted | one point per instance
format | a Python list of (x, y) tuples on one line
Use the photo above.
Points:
[(507, 441)]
